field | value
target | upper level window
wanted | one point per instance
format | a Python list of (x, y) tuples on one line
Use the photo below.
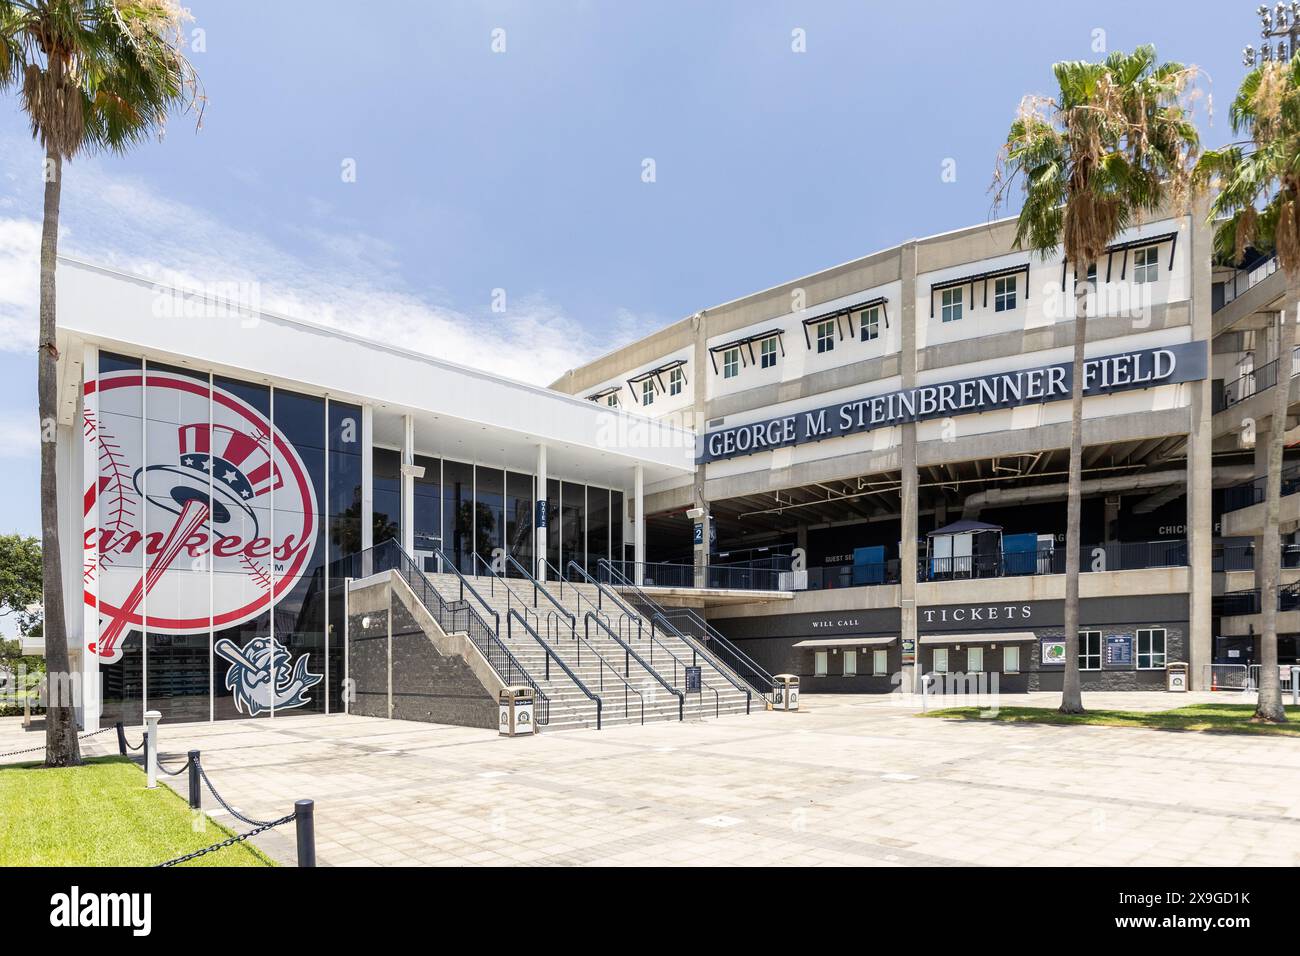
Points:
[(767, 353), (731, 363), (826, 335), (869, 322), (612, 400), (648, 391), (1004, 294), (952, 301), (1145, 268), (675, 381)]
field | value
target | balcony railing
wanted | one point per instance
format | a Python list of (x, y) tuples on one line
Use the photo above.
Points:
[(1252, 492), (1116, 556), (1236, 603), (1241, 557), (667, 574), (1251, 383)]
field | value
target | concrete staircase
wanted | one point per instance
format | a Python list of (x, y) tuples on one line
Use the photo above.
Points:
[(595, 656)]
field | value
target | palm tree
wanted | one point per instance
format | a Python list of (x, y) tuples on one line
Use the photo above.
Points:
[(1258, 203), (92, 75), (1113, 145)]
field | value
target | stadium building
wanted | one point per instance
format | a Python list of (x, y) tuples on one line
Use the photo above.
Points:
[(857, 477)]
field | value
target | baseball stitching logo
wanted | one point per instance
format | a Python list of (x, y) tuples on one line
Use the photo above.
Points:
[(230, 495)]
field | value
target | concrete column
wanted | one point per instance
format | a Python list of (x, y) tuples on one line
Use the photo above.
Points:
[(703, 368), (540, 518), (408, 484), (1200, 466), (907, 465), (638, 533)]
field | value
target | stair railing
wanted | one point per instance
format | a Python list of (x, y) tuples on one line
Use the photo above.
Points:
[(627, 651), (738, 662), (445, 561), (512, 616), (539, 588), (463, 619), (602, 592)]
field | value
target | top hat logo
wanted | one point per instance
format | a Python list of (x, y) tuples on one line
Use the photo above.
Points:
[(225, 512)]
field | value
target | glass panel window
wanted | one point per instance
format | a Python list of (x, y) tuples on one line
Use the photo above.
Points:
[(826, 336), (940, 660), (612, 400), (869, 322), (1011, 659), (489, 514), (458, 513), (1145, 265), (880, 663), (675, 381), (597, 526), (952, 303), (519, 519), (767, 353), (731, 363), (850, 663), (820, 661), (1004, 294), (975, 659), (573, 524), (1151, 649), (1090, 650), (648, 391)]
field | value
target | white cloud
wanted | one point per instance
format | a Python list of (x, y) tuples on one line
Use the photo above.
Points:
[(346, 279)]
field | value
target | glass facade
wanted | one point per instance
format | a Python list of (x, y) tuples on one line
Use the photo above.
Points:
[(216, 505)]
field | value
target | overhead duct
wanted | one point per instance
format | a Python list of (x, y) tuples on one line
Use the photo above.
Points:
[(1003, 497)]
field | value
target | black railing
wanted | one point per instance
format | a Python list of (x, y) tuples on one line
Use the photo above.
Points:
[(1236, 497), (1116, 556), (1251, 383), (447, 566), (630, 655), (1240, 556), (550, 655), (460, 617), (1236, 603), (699, 635), (831, 577), (667, 574)]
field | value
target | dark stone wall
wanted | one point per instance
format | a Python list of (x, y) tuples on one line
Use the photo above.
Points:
[(427, 685)]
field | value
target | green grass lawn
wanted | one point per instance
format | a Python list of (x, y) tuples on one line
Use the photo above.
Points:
[(101, 814), (1213, 718)]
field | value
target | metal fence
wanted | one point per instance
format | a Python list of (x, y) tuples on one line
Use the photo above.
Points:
[(1253, 492)]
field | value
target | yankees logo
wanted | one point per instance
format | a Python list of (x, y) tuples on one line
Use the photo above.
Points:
[(259, 679), (207, 524)]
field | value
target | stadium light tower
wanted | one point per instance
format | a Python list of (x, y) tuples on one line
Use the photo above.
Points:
[(1281, 24)]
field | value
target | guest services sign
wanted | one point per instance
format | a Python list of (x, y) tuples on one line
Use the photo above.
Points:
[(1142, 368)]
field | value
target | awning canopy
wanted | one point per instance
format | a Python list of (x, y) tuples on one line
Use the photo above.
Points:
[(965, 526), (848, 642), (980, 637)]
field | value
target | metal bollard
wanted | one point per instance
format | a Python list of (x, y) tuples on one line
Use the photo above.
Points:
[(196, 796), (305, 821), (151, 718), (121, 738)]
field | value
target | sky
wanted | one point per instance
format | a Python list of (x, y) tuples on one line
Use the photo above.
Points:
[(503, 155)]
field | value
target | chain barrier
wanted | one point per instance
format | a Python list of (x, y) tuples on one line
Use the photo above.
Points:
[(171, 773), (32, 750), (231, 841), (231, 810)]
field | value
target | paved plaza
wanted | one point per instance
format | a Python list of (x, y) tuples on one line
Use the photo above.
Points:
[(847, 780)]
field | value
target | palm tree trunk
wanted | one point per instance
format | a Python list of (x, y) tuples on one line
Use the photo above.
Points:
[(61, 747), (1071, 697), (1270, 706)]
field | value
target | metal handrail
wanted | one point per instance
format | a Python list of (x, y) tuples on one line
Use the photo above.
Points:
[(538, 586), (681, 698), (607, 592), (497, 655), (513, 615), (465, 585)]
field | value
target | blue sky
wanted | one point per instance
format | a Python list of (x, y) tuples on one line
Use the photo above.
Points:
[(522, 170)]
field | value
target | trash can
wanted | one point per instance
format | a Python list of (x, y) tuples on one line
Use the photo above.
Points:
[(786, 695), (1176, 677), (515, 712)]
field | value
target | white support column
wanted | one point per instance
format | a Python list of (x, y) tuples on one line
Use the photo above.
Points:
[(408, 484), (540, 518), (91, 701), (638, 500), (367, 477)]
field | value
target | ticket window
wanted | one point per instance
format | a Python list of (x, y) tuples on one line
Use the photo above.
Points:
[(1011, 659), (880, 663), (975, 660), (821, 662), (850, 663)]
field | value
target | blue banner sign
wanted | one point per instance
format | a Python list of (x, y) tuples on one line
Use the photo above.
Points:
[(1104, 375), (1119, 650)]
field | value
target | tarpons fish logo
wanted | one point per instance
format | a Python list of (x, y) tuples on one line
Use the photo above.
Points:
[(259, 677), (220, 489)]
